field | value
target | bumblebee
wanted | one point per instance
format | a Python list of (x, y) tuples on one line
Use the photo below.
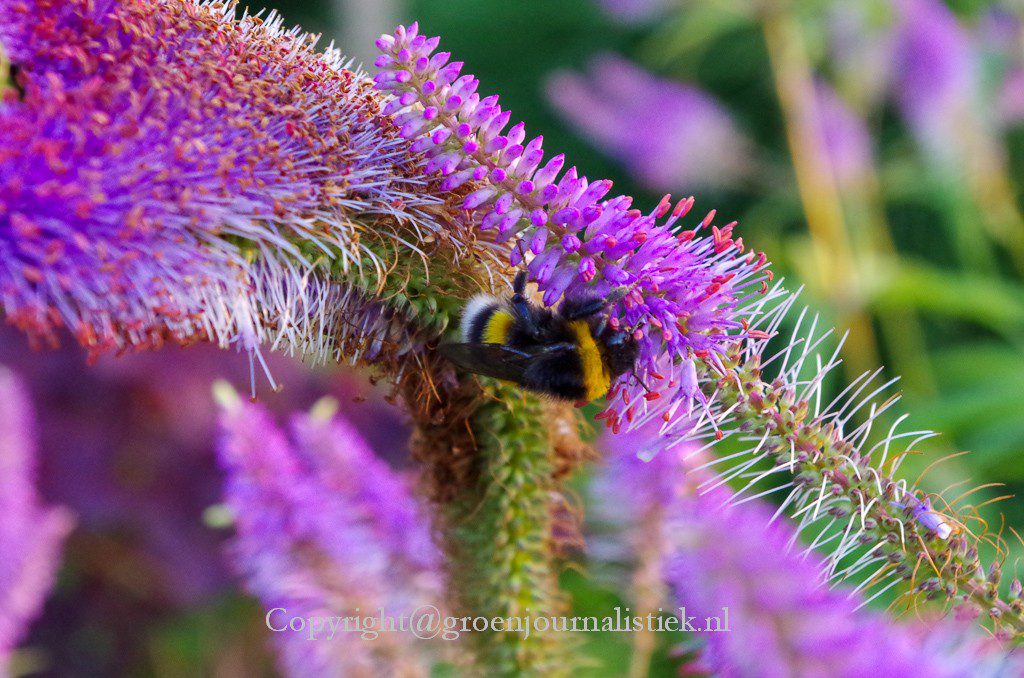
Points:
[(570, 354)]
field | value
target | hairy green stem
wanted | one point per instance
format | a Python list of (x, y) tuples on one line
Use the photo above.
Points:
[(818, 455), (500, 535)]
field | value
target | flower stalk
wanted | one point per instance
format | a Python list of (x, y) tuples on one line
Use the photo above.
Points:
[(500, 532), (879, 530), (492, 464)]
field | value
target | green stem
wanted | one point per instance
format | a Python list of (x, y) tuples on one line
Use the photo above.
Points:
[(500, 534), (492, 459)]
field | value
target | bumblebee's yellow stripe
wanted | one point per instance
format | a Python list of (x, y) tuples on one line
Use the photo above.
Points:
[(595, 375), (497, 328)]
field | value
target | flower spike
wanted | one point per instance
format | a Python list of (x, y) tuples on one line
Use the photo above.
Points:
[(682, 289)]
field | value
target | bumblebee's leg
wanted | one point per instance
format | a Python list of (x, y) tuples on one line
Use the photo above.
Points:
[(519, 284), (561, 347), (584, 308), (521, 306)]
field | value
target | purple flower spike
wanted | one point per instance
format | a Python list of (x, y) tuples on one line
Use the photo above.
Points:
[(30, 535), (846, 138), (152, 139), (784, 620), (936, 72), (679, 290), (325, 529), (689, 141)]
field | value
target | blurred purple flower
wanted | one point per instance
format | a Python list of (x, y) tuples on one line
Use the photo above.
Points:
[(680, 290), (847, 142), (30, 535), (783, 618), (860, 44), (127, 445), (1011, 97), (635, 11), (326, 529), (166, 162), (670, 135), (935, 73)]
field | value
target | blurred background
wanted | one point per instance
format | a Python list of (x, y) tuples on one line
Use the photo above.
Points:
[(874, 149)]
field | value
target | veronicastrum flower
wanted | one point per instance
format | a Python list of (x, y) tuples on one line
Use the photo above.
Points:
[(325, 529), (175, 171), (846, 140), (935, 74), (784, 618), (30, 535), (689, 141), (680, 289), (838, 475)]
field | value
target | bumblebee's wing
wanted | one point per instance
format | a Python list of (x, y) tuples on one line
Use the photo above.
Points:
[(500, 361)]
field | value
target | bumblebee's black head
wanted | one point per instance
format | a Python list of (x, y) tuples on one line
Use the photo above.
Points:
[(620, 351)]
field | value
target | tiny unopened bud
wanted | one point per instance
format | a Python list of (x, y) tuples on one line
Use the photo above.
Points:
[(994, 573), (1015, 588), (806, 478)]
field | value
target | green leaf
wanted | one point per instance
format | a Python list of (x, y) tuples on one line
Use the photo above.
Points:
[(992, 303)]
